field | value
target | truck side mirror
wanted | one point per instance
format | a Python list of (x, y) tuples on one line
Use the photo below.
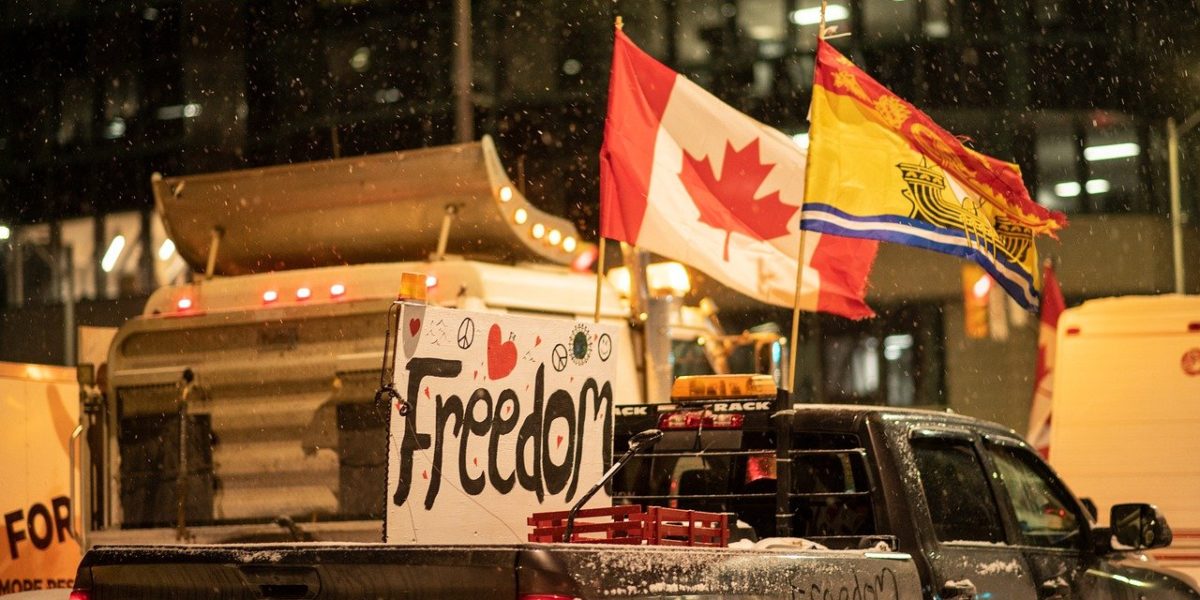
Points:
[(1139, 526), (1090, 505)]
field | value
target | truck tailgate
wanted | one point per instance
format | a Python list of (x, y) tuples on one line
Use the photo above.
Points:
[(283, 571), (695, 573)]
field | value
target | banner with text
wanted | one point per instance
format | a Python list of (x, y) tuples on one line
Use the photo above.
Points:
[(506, 416), (39, 408)]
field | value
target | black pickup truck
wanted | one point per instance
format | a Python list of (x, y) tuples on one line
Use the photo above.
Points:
[(876, 503)]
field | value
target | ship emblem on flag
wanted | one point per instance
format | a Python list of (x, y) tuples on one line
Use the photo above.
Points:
[(926, 190), (880, 169)]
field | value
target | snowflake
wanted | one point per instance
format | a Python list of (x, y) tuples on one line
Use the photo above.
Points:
[(892, 110)]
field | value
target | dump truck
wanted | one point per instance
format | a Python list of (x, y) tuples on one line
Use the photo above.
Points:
[(238, 407)]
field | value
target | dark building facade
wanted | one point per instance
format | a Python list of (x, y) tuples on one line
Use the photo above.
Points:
[(99, 95)]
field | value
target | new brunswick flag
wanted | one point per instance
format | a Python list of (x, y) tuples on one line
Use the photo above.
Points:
[(881, 169)]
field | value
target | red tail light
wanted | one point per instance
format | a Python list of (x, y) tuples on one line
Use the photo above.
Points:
[(695, 419), (80, 595)]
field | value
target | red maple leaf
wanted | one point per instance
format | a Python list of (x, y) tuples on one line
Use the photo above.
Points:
[(728, 202)]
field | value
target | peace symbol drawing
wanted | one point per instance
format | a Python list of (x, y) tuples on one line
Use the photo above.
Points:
[(466, 333), (558, 357)]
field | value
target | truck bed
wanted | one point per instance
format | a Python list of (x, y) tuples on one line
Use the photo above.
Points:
[(329, 571)]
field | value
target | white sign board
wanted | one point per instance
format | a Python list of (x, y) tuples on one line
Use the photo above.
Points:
[(506, 416)]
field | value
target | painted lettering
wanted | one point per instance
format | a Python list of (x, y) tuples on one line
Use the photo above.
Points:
[(485, 418), (883, 585), (418, 369)]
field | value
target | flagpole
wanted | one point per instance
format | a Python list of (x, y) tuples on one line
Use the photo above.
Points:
[(794, 348), (599, 279), (821, 26), (796, 309), (619, 24)]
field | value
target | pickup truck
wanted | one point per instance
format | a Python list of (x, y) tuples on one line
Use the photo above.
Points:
[(882, 503)]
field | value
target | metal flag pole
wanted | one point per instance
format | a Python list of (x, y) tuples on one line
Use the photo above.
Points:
[(619, 24), (1173, 133), (599, 279), (794, 347)]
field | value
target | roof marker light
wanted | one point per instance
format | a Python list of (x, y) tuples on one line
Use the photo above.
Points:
[(270, 296), (337, 289), (584, 260), (538, 231), (569, 244), (554, 237), (183, 303), (520, 216), (505, 194), (303, 293)]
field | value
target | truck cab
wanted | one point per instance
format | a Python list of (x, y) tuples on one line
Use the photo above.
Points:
[(978, 510)]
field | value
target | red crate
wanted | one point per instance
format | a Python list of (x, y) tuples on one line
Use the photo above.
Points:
[(674, 527), (608, 525), (658, 526)]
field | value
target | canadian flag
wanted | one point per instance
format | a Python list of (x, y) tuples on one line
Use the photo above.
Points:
[(686, 176), (1043, 386)]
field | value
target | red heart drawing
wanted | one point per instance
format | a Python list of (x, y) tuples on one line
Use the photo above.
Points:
[(414, 325), (426, 392), (476, 461), (502, 357), (424, 474), (560, 438), (537, 341)]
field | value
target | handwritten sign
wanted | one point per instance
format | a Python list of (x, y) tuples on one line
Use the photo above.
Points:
[(503, 416)]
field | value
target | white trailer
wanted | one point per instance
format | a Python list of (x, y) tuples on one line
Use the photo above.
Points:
[(1126, 416)]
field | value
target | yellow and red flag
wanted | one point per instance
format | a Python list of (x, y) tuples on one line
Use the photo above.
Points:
[(881, 169)]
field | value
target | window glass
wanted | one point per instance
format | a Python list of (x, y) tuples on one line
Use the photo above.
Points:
[(1089, 162), (888, 20), (831, 488), (960, 503), (894, 360), (1043, 510), (1058, 167), (689, 358), (1113, 152)]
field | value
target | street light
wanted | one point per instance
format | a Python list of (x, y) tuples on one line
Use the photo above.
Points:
[(1173, 134)]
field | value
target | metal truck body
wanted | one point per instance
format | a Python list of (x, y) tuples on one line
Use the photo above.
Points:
[(237, 407)]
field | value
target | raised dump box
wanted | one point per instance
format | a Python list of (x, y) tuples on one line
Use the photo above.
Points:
[(378, 208)]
